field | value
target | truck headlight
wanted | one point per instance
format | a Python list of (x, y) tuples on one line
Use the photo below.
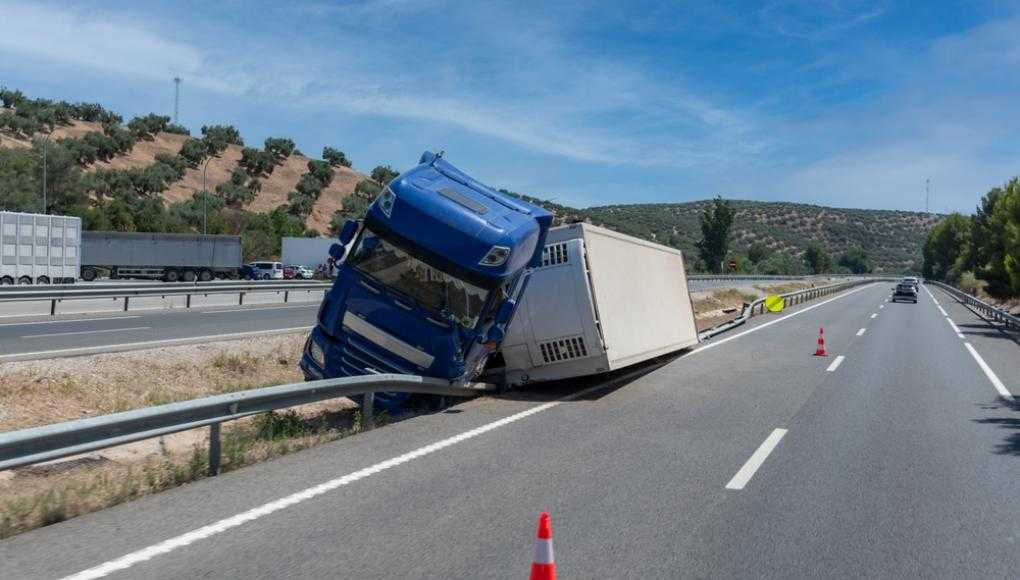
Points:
[(497, 256), (386, 200), (318, 355)]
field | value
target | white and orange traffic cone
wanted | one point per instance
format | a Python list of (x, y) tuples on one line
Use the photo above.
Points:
[(543, 567), (820, 351)]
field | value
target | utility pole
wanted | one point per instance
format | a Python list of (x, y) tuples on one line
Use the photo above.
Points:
[(46, 147), (205, 198), (927, 196), (177, 97)]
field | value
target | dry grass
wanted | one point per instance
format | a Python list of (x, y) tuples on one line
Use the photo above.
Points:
[(29, 501), (42, 392)]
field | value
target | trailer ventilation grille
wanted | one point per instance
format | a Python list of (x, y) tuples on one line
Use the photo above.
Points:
[(563, 349), (554, 254)]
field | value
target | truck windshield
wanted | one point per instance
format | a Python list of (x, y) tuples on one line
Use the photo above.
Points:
[(430, 287)]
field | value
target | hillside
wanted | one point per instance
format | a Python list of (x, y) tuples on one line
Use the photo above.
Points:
[(275, 186), (892, 239)]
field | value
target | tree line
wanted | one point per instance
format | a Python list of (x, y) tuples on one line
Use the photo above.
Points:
[(983, 249)]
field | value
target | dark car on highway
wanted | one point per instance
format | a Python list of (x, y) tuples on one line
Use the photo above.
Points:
[(905, 291)]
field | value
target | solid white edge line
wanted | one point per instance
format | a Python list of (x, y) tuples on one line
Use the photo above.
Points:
[(861, 331), (70, 320), (1003, 392), (52, 334), (835, 364), (874, 315), (706, 346), (956, 329), (166, 546), (757, 459), (881, 306), (942, 311), (109, 348)]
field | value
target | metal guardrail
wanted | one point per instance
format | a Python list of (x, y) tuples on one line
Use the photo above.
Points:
[(990, 312), (791, 298), (58, 294), (39, 444)]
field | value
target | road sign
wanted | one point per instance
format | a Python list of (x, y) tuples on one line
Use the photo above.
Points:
[(733, 264)]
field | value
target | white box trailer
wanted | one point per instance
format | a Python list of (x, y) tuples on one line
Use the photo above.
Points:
[(38, 248), (600, 301), (308, 252)]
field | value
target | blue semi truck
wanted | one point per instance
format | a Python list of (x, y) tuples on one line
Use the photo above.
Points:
[(434, 275)]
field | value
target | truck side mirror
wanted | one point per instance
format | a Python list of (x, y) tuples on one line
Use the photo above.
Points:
[(347, 232), (505, 312), (337, 251)]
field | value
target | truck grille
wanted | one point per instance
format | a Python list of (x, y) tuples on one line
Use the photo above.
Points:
[(563, 349), (359, 355)]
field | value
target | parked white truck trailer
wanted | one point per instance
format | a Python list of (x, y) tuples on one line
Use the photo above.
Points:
[(308, 252), (600, 301), (38, 249)]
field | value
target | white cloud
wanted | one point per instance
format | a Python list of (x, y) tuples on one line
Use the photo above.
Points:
[(814, 19)]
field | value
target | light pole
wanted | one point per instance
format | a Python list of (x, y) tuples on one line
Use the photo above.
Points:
[(205, 198), (46, 146)]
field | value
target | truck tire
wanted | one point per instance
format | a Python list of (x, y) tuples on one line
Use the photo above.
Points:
[(205, 275), (6, 281), (188, 276), (24, 281), (89, 274), (171, 275), (42, 280)]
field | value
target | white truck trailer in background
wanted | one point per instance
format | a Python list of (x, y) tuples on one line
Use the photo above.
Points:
[(600, 301), (39, 249), (308, 252)]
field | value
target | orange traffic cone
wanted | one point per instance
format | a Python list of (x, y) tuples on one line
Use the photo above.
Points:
[(820, 351), (543, 567)]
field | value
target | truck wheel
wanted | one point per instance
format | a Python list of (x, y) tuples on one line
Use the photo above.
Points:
[(265, 277), (6, 281), (205, 275), (171, 276), (188, 276), (88, 274), (42, 280), (24, 281)]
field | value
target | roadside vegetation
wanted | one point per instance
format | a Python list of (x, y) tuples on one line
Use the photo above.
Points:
[(980, 253)]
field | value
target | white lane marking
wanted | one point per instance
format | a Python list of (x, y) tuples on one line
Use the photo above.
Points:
[(255, 308), (1003, 392), (835, 364), (166, 546), (956, 329), (861, 331), (68, 321), (52, 334), (770, 323), (881, 306), (874, 315), (942, 311), (148, 344), (760, 455)]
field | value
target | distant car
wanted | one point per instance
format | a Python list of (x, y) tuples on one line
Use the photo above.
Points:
[(289, 272), (905, 291), (267, 270), (246, 272), (911, 280), (303, 273)]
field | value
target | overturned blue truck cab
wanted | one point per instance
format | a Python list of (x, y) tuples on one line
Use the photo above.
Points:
[(435, 272)]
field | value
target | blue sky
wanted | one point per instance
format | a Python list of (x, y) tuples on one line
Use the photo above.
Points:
[(852, 103)]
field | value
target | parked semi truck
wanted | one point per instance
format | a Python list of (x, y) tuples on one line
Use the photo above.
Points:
[(449, 278), (38, 249), (168, 257)]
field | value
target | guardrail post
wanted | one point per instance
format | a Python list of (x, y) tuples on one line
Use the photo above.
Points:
[(240, 299), (286, 294), (125, 304), (214, 449), (187, 300), (367, 412), (53, 307)]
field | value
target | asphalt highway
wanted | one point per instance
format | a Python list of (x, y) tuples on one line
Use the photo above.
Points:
[(23, 338), (897, 455)]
